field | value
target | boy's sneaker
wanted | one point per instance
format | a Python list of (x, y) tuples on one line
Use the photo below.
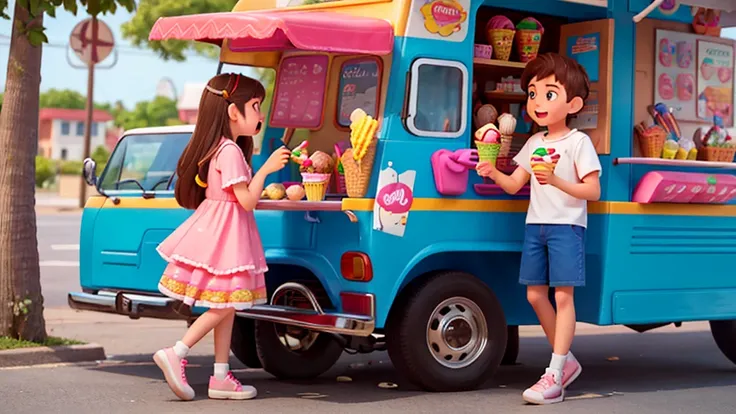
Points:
[(230, 389), (571, 371), (546, 391), (174, 370)]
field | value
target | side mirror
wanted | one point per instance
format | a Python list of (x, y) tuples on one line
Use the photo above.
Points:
[(89, 171)]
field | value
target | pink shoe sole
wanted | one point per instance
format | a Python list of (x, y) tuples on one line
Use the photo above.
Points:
[(163, 363), (534, 401)]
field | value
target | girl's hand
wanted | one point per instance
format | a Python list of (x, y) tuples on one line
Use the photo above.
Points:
[(277, 160)]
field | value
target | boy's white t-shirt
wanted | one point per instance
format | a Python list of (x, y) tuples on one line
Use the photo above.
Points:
[(573, 157)]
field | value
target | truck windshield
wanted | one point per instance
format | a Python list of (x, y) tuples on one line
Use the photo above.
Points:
[(144, 162)]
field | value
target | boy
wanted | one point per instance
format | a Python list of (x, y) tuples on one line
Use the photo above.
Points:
[(564, 170)]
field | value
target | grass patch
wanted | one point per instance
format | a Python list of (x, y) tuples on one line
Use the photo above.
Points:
[(11, 343)]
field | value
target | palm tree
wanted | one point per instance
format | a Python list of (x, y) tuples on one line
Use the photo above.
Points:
[(21, 302)]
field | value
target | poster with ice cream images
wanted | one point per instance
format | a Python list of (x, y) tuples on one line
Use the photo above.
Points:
[(715, 81), (394, 198), (674, 73)]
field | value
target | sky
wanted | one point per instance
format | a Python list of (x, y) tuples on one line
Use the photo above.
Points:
[(133, 78), (136, 73)]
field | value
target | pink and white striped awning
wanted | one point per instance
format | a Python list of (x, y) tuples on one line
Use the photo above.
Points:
[(259, 31)]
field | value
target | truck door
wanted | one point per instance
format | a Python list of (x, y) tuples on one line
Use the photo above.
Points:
[(138, 213)]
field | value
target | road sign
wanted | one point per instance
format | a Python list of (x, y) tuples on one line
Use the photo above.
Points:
[(92, 41)]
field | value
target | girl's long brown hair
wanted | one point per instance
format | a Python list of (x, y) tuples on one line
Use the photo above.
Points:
[(213, 124)]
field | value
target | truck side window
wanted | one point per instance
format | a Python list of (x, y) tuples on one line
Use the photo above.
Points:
[(144, 161), (438, 99)]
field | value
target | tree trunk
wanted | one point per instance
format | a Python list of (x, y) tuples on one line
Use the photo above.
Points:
[(21, 302)]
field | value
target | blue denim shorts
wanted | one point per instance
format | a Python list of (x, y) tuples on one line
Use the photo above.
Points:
[(554, 255)]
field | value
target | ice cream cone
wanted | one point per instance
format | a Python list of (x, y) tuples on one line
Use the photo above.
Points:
[(502, 41), (527, 44), (543, 166), (315, 185), (488, 152)]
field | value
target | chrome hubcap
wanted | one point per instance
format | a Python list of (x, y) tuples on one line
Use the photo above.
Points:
[(457, 333)]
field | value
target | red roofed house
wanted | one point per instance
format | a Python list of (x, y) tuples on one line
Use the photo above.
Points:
[(61, 132)]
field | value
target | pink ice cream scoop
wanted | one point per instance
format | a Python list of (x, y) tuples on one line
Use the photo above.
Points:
[(490, 135), (500, 22)]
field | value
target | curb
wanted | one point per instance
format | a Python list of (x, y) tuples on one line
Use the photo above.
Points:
[(51, 355)]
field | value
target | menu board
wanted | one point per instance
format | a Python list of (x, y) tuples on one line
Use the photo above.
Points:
[(359, 83), (300, 90), (715, 81), (675, 73)]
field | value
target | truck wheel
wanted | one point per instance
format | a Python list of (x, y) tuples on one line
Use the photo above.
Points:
[(243, 342), (289, 352), (724, 332), (512, 346), (449, 333)]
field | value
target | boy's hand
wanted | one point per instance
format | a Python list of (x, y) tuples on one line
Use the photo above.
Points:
[(545, 177), (486, 169)]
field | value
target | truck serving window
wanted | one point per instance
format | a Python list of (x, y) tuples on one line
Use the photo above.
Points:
[(144, 161), (437, 99)]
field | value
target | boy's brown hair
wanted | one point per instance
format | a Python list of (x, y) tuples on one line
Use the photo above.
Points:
[(568, 72)]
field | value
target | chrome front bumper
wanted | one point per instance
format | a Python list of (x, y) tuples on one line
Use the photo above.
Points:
[(149, 306)]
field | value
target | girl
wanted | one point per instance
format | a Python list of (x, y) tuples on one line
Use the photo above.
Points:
[(215, 257)]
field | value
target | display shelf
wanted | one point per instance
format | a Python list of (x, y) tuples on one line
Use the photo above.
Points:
[(506, 96), (304, 205), (498, 63), (674, 163)]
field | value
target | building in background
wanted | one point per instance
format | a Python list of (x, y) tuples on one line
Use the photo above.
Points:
[(188, 103), (61, 132)]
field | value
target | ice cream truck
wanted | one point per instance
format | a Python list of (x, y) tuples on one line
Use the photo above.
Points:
[(406, 248)]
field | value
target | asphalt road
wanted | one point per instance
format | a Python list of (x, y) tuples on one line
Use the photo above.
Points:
[(58, 248), (665, 371)]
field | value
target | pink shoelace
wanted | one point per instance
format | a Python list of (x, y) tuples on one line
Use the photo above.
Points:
[(184, 363), (544, 383), (230, 377)]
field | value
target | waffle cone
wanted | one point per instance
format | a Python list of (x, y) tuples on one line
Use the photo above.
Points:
[(358, 173), (527, 44), (487, 152), (502, 41), (505, 150), (315, 191)]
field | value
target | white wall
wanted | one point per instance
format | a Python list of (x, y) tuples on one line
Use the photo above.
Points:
[(73, 143)]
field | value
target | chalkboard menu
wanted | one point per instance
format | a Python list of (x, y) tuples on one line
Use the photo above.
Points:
[(359, 83), (300, 90)]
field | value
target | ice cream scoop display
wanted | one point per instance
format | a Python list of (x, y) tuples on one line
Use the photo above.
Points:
[(357, 161)]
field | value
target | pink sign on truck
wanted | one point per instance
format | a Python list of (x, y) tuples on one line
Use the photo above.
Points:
[(300, 90)]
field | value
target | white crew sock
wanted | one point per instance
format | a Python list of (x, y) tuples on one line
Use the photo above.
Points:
[(221, 371), (181, 350), (570, 357), (556, 364)]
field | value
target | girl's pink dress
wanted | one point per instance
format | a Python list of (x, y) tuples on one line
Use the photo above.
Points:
[(215, 257)]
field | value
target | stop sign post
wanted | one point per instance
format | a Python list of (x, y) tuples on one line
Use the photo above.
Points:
[(92, 41)]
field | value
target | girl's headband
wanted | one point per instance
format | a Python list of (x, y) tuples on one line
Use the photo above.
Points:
[(224, 93)]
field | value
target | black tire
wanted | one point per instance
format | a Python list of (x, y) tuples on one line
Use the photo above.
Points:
[(285, 364), (407, 333), (243, 342), (512, 346), (724, 333)]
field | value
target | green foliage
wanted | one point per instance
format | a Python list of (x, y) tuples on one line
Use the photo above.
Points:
[(100, 155), (70, 167), (62, 98), (35, 32), (45, 170), (158, 112), (11, 343), (137, 29)]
